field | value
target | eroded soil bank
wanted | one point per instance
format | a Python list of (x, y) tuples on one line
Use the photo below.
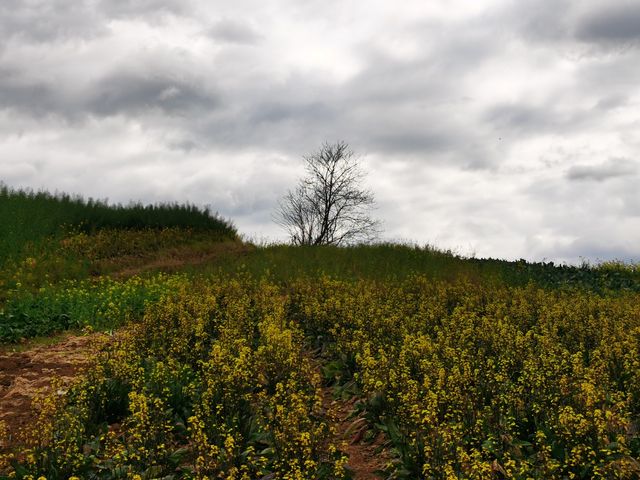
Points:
[(25, 374)]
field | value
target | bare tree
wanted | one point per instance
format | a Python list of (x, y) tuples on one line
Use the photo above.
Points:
[(329, 206)]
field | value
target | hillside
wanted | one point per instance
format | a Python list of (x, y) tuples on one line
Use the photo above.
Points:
[(48, 237), (221, 359)]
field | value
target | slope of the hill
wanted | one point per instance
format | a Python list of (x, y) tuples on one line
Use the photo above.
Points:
[(29, 220), (232, 359), (387, 261)]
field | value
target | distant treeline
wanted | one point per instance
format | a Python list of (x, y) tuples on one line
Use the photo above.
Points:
[(29, 216)]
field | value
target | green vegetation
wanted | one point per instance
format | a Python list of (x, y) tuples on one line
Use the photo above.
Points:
[(463, 380), (37, 302), (466, 368), (101, 304), (478, 381), (30, 220), (285, 263), (47, 238), (39, 291), (212, 383)]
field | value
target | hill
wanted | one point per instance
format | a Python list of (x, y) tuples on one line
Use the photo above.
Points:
[(223, 359), (29, 219)]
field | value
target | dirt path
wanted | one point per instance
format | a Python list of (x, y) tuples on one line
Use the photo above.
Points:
[(365, 459), (24, 374), (173, 260)]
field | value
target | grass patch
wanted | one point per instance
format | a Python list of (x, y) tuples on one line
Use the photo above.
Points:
[(394, 262), (28, 219)]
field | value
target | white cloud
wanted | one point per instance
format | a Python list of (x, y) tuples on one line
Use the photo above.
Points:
[(613, 168), (497, 127)]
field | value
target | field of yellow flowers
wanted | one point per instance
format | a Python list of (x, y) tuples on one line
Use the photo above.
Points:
[(213, 382), (464, 379), (488, 382)]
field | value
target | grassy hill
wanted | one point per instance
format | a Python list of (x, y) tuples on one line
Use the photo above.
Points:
[(48, 240), (229, 356), (31, 219), (396, 262)]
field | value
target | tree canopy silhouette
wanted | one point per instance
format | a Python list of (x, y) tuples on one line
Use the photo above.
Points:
[(329, 206)]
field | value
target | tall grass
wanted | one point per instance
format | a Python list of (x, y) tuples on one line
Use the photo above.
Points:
[(28, 218), (285, 263)]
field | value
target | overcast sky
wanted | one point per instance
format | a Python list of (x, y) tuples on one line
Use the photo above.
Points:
[(496, 128)]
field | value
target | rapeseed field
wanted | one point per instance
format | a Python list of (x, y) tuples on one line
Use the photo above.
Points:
[(219, 378), (453, 368)]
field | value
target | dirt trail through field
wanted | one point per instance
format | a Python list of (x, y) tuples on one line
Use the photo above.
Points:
[(25, 374), (28, 373), (174, 260), (365, 459)]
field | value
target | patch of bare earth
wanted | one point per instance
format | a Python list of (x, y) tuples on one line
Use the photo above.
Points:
[(172, 260), (25, 374), (366, 459)]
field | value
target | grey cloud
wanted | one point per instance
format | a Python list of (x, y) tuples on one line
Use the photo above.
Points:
[(610, 102), (423, 136), (391, 105), (228, 192), (218, 102), (81, 20), (271, 112), (17, 171), (52, 20), (434, 76), (588, 219), (521, 118), (35, 98), (565, 109), (595, 251), (122, 93), (613, 75), (611, 24), (295, 125), (184, 145), (234, 31), (144, 8), (613, 168), (117, 93), (539, 20), (567, 24)]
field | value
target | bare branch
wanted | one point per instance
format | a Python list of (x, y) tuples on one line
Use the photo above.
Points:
[(329, 206)]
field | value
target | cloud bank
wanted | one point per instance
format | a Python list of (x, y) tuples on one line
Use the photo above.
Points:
[(502, 128)]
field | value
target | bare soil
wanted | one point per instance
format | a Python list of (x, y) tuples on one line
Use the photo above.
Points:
[(25, 374), (171, 260), (366, 459)]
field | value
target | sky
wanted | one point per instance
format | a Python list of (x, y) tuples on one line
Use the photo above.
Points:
[(504, 129)]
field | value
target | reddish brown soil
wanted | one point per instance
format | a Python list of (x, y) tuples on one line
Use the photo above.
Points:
[(365, 458), (23, 375)]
